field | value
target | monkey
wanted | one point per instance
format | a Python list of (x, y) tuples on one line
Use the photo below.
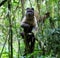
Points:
[(29, 23), (32, 18), (30, 26)]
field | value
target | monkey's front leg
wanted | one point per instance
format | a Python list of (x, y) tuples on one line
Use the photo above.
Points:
[(25, 25), (35, 29), (27, 29)]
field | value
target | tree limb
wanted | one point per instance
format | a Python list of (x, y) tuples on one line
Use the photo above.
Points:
[(2, 2)]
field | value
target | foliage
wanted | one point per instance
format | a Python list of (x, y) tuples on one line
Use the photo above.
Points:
[(48, 36)]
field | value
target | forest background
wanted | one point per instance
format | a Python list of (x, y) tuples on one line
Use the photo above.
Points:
[(11, 42)]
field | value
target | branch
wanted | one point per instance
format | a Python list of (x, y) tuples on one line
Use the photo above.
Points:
[(30, 3), (2, 2)]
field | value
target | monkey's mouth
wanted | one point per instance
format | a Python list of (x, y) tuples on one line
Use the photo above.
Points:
[(30, 15)]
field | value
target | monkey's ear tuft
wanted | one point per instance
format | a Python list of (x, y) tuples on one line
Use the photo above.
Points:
[(32, 9), (27, 8)]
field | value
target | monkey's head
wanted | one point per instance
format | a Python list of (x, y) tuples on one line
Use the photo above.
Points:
[(30, 12)]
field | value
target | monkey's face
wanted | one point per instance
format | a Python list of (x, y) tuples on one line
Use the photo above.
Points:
[(30, 12)]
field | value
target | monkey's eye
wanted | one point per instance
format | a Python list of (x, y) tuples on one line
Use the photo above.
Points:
[(32, 9), (27, 8)]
